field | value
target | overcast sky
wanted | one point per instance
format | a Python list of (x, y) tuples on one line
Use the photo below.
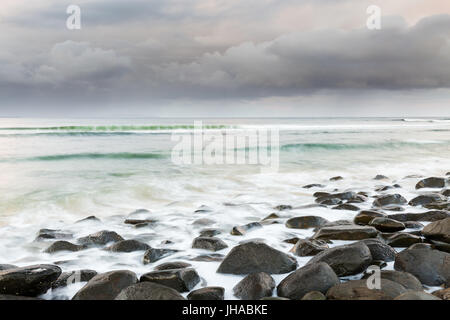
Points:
[(225, 58)]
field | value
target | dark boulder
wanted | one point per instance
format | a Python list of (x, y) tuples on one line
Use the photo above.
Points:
[(389, 199), (241, 230), (128, 246), (254, 286), (413, 225), (365, 216), (28, 281), (306, 222), (380, 177), (101, 238), (45, 234), (426, 199), (429, 216), (149, 291), (153, 254), (416, 295), (67, 278), (208, 293), (345, 260), (438, 230), (182, 280), (211, 257), (172, 265), (254, 257), (209, 243), (386, 224), (64, 246), (433, 182), (314, 185), (380, 250), (337, 178), (403, 240), (431, 267), (359, 290), (346, 232), (89, 219), (346, 206), (304, 248), (312, 277), (209, 232), (106, 286)]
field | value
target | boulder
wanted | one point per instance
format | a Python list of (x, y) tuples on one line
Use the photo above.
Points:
[(64, 246), (337, 178), (380, 250), (312, 277), (429, 216), (438, 230), (426, 199), (365, 216), (182, 280), (106, 286), (211, 257), (209, 232), (241, 230), (208, 293), (100, 238), (304, 248), (28, 281), (306, 222), (149, 291), (314, 185), (203, 209), (431, 267), (67, 278), (389, 199), (403, 240), (358, 290), (254, 257), (254, 286), (172, 265), (433, 182), (209, 243), (45, 234), (153, 254), (347, 259), (283, 207), (345, 232), (416, 295), (346, 206), (387, 225), (89, 219), (128, 246), (380, 177), (413, 225)]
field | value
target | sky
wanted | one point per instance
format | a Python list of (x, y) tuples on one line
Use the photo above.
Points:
[(241, 58)]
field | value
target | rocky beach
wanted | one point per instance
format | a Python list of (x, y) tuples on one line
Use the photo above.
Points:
[(407, 238)]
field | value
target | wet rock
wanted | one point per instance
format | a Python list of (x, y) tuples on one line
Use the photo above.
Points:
[(67, 278), (380, 177), (203, 209), (431, 267), (335, 223), (128, 246), (345, 232), (416, 295), (413, 225), (271, 217), (345, 260), (386, 225), (429, 216), (213, 257), (64, 246), (341, 196), (208, 293), (314, 185), (438, 230), (209, 232), (283, 207), (389, 199), (153, 254), (305, 222), (241, 230), (438, 245), (172, 265), (255, 286), (379, 250), (28, 281), (358, 199), (337, 178), (7, 267), (406, 279), (358, 290), (100, 238), (312, 277), (254, 257), (314, 295), (438, 206), (328, 201), (433, 182), (149, 291), (426, 199), (320, 194), (365, 216), (393, 207), (304, 248), (203, 222), (209, 243), (403, 240), (139, 222), (45, 234), (446, 192), (182, 280), (89, 219), (346, 206), (106, 286)]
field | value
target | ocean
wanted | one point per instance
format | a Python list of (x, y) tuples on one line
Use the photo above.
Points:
[(57, 171)]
